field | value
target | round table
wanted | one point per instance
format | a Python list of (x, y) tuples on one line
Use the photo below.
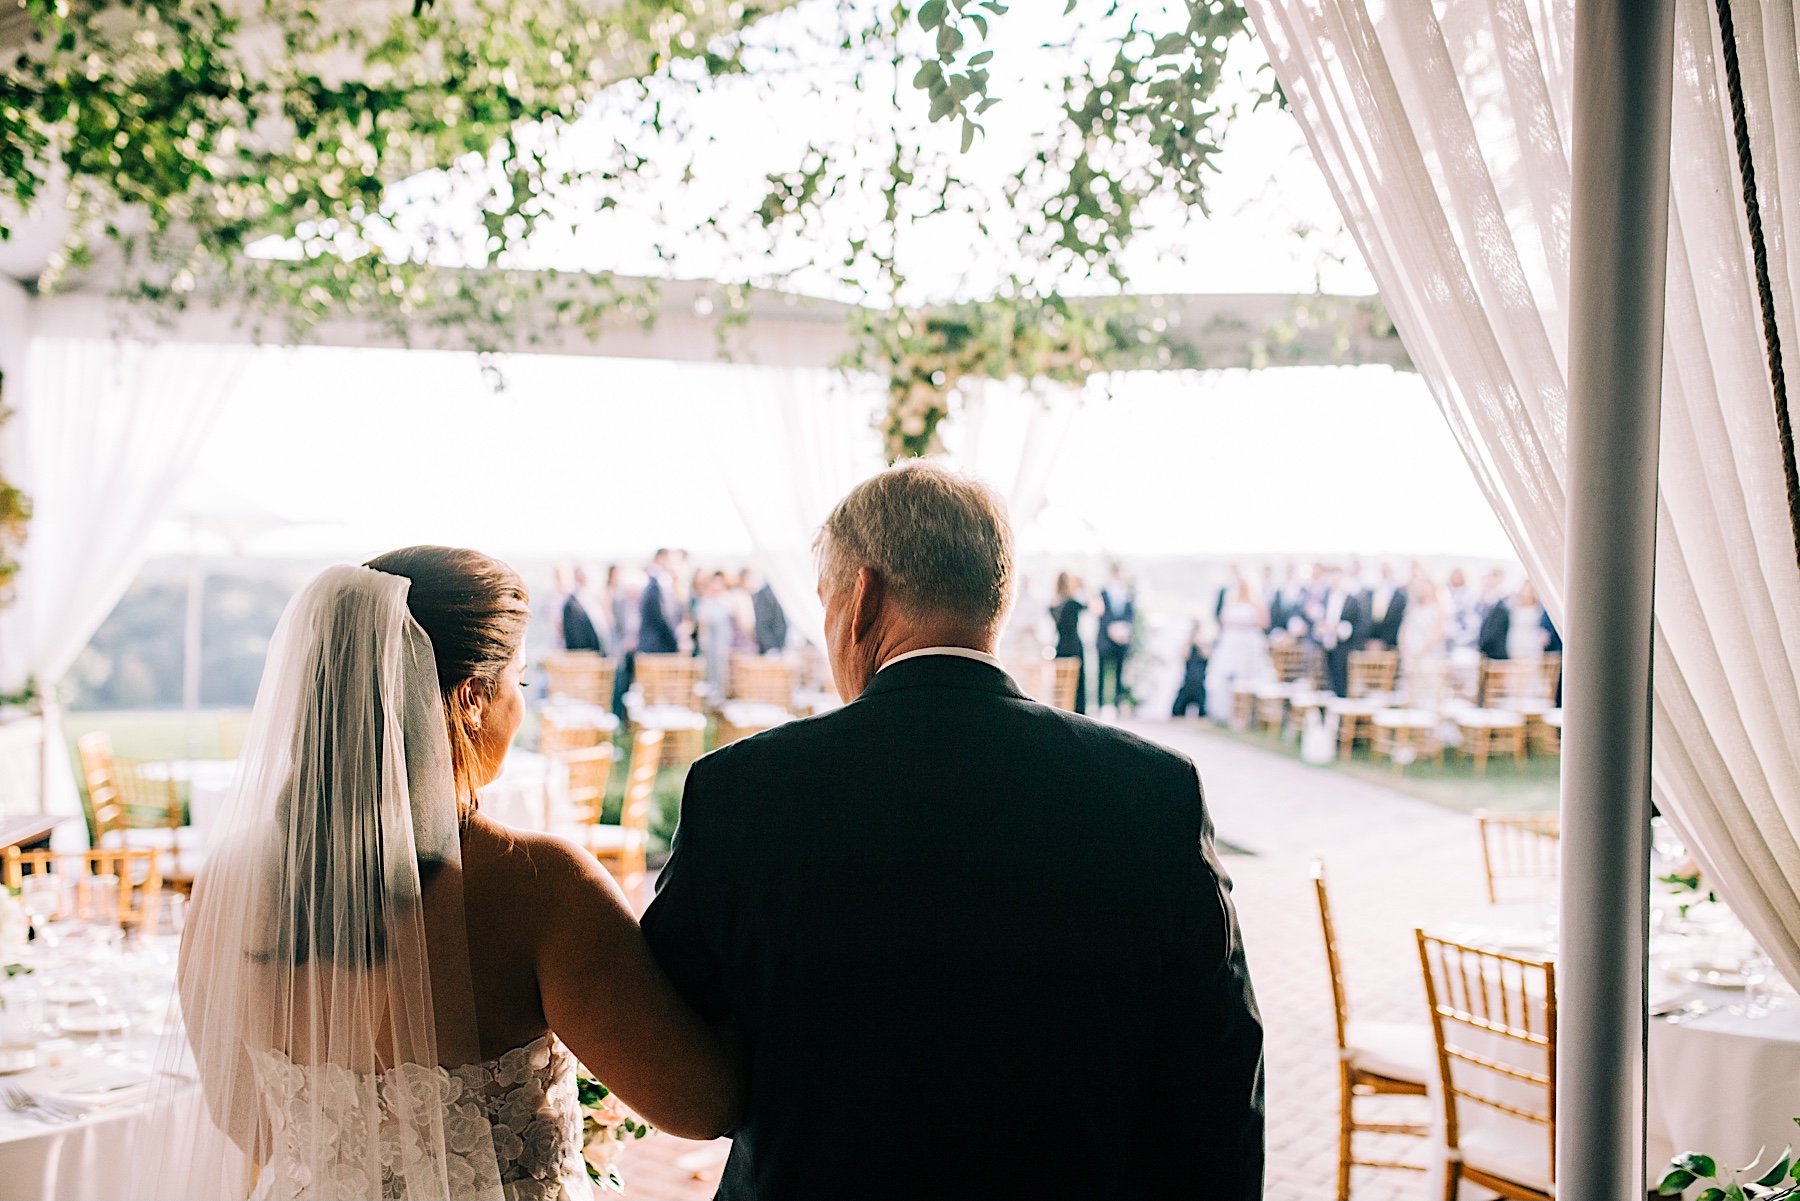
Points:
[(1719, 1082), (1405, 734), (101, 1154)]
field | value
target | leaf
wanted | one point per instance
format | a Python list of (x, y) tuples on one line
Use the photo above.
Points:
[(1675, 1183), (1699, 1165), (968, 138), (986, 56), (1735, 1193), (1712, 1194), (931, 14), (1778, 1173)]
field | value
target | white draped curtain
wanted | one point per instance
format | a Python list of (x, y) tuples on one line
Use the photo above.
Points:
[(103, 433), (1443, 129)]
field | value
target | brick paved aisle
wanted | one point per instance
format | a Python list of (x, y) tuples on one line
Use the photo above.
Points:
[(1394, 863)]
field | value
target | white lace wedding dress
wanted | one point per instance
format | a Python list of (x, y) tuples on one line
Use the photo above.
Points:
[(517, 1116)]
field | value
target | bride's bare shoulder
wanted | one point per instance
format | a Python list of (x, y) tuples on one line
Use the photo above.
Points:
[(531, 867)]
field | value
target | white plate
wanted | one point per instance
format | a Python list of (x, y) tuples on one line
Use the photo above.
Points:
[(93, 1023), (1715, 977), (17, 1059)]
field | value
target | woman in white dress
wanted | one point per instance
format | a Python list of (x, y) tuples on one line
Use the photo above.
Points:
[(1424, 633), (384, 992), (1240, 652)]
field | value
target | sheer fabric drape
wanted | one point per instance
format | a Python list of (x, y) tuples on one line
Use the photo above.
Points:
[(103, 434), (1443, 130)]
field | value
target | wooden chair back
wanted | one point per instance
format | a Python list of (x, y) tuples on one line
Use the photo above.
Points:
[(1289, 659), (1519, 846), (590, 771), (1339, 1004), (557, 739), (669, 680), (138, 872), (580, 676), (1065, 677), (640, 780), (1372, 671), (762, 680), (1493, 1021), (100, 774), (1519, 679)]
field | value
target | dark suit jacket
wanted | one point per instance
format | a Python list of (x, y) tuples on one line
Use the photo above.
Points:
[(1126, 613), (963, 935), (1385, 627), (1496, 628), (656, 633), (771, 621), (579, 633)]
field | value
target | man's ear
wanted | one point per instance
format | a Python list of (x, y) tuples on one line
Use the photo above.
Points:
[(871, 594)]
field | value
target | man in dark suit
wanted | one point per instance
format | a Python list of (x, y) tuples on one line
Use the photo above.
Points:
[(943, 914), (1343, 627), (578, 629), (1112, 639), (659, 611), (771, 623), (1387, 609)]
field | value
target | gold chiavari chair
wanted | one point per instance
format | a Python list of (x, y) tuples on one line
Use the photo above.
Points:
[(1374, 1059), (1493, 1022), (585, 676), (1289, 659), (137, 871), (1064, 678), (556, 738), (1519, 846), (130, 807), (589, 773), (622, 848), (1490, 732), (669, 680), (1372, 672), (761, 680)]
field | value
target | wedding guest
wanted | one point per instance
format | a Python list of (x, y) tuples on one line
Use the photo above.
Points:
[(1387, 609), (1517, 627), (1066, 613), (626, 587), (918, 1007), (770, 619), (1460, 604), (579, 633), (660, 611), (1288, 604), (1192, 693), (1112, 641), (1423, 636), (1341, 629), (715, 622), (1240, 654)]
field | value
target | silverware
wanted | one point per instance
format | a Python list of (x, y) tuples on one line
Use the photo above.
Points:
[(1689, 1012), (22, 1102)]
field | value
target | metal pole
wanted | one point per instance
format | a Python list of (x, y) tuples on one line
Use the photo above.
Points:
[(1623, 80)]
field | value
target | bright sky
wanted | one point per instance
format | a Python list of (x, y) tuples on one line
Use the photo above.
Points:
[(590, 458)]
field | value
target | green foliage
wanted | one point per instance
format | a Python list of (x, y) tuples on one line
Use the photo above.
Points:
[(15, 514), (1780, 1182), (187, 138), (605, 1124)]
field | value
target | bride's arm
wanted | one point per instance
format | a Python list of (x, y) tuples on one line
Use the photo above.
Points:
[(605, 997)]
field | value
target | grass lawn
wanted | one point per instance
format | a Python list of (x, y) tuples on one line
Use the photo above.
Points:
[(1451, 784)]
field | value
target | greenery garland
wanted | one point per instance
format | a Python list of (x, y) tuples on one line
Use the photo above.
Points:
[(15, 514)]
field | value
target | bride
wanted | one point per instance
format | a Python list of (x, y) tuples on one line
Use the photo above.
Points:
[(383, 992)]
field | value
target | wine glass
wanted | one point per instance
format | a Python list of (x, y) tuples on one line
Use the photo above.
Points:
[(41, 895)]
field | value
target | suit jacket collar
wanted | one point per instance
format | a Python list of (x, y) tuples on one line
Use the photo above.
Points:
[(942, 671)]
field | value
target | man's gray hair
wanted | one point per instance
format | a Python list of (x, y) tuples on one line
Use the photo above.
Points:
[(939, 541)]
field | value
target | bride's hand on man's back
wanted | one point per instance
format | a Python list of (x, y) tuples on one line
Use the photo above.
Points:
[(610, 1003)]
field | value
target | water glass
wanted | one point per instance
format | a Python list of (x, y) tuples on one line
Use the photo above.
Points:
[(103, 908)]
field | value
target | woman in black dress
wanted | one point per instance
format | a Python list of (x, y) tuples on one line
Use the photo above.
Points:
[(1066, 612)]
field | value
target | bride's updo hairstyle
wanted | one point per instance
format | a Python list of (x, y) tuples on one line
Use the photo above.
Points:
[(474, 609)]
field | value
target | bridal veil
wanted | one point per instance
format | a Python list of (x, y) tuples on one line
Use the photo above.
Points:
[(324, 978)]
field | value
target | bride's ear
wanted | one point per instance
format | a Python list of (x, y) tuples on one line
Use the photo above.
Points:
[(471, 703)]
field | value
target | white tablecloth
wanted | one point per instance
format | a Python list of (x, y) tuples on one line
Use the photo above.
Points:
[(528, 791), (102, 1155), (1723, 1083)]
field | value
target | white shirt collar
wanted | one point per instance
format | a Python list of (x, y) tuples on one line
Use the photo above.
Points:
[(960, 652)]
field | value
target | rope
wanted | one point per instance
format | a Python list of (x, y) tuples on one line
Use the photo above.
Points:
[(1760, 254)]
